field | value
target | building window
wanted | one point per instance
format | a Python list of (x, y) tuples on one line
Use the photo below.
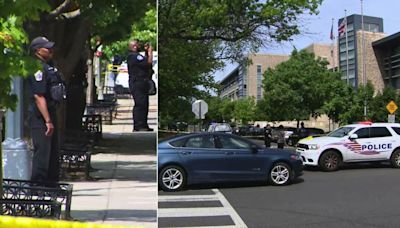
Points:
[(371, 27), (259, 82)]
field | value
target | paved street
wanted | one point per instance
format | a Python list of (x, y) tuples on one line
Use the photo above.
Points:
[(205, 208), (124, 188), (361, 195)]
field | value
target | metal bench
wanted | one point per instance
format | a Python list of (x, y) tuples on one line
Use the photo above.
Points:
[(92, 125), (74, 158), (31, 208), (36, 199)]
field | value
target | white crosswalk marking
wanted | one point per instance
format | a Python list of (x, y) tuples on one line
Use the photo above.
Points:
[(207, 212)]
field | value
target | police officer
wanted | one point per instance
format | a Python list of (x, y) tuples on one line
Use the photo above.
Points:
[(267, 135), (139, 68), (47, 90)]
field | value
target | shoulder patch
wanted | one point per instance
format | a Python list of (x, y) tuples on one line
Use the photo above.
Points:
[(140, 57), (39, 75)]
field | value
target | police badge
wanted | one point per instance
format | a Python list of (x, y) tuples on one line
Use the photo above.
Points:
[(39, 75)]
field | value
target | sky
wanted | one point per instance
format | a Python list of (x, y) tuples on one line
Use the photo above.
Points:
[(316, 28)]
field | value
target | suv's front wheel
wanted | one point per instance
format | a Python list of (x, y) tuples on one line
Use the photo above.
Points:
[(395, 159), (330, 161)]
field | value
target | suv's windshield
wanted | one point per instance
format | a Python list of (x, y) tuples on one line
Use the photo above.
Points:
[(340, 132)]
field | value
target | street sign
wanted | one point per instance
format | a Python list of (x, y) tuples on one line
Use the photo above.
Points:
[(391, 118), (391, 107), (200, 108)]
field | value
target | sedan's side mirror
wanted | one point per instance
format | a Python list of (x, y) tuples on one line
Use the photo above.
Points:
[(254, 149), (353, 136)]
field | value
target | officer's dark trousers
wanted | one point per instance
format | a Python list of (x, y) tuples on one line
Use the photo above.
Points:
[(45, 164), (267, 142), (139, 90)]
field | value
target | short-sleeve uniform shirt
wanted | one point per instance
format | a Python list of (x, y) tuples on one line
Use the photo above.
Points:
[(138, 66), (40, 83)]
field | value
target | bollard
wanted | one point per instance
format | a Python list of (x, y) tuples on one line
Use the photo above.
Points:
[(17, 159)]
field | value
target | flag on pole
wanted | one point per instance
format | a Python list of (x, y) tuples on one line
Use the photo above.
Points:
[(342, 27), (332, 37)]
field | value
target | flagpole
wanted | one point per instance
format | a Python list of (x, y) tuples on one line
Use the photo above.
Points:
[(347, 50), (333, 47), (363, 58)]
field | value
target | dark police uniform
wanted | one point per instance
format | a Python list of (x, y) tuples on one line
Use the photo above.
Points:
[(267, 136), (139, 74), (48, 83)]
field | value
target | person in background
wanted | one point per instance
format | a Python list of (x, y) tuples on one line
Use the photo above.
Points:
[(267, 135), (281, 137)]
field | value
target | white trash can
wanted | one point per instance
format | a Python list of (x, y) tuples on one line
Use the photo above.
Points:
[(17, 159)]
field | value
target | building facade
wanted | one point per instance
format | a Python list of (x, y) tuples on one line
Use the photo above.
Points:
[(387, 52), (246, 80), (350, 51)]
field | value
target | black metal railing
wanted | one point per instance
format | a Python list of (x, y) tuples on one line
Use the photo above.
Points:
[(46, 196)]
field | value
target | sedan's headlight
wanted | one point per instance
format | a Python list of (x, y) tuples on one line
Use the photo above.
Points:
[(313, 147)]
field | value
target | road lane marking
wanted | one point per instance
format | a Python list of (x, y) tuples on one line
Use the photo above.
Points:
[(187, 198), (234, 215), (192, 212), (206, 212)]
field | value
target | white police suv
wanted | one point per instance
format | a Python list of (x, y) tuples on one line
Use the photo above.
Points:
[(361, 142)]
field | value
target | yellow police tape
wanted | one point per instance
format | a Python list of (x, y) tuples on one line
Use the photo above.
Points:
[(24, 222)]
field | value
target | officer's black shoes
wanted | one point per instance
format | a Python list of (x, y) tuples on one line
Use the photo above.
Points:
[(142, 129)]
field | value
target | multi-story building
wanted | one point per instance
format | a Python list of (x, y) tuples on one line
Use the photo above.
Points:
[(327, 52), (246, 79), (387, 52), (351, 53)]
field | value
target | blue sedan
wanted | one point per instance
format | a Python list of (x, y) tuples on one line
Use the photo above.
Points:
[(219, 157)]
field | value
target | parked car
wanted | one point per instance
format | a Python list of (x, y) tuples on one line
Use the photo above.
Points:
[(219, 157), (362, 142), (220, 127), (244, 130), (288, 132), (122, 80), (297, 135)]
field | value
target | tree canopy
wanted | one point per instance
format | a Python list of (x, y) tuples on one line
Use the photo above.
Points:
[(13, 57), (195, 36), (299, 87)]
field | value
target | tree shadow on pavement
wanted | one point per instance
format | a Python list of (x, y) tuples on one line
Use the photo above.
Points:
[(144, 171), (116, 215), (239, 185), (128, 143)]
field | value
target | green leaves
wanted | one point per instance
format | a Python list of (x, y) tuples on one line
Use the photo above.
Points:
[(297, 88), (196, 35), (13, 57)]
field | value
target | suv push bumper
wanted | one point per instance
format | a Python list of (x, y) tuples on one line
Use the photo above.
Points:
[(309, 157)]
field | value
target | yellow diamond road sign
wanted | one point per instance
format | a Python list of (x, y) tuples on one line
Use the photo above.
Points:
[(391, 107)]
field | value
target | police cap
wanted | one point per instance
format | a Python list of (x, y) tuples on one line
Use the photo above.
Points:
[(41, 42)]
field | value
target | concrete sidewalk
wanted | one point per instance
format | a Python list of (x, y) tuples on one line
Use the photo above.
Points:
[(124, 189)]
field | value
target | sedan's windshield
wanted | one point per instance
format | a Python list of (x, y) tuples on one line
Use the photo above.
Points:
[(340, 132)]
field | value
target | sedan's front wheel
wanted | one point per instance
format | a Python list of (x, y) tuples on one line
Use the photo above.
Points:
[(172, 178), (280, 174)]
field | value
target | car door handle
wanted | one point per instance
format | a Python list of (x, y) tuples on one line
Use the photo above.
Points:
[(186, 153), (229, 153)]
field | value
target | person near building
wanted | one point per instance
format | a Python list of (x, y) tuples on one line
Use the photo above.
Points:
[(47, 91), (139, 70)]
